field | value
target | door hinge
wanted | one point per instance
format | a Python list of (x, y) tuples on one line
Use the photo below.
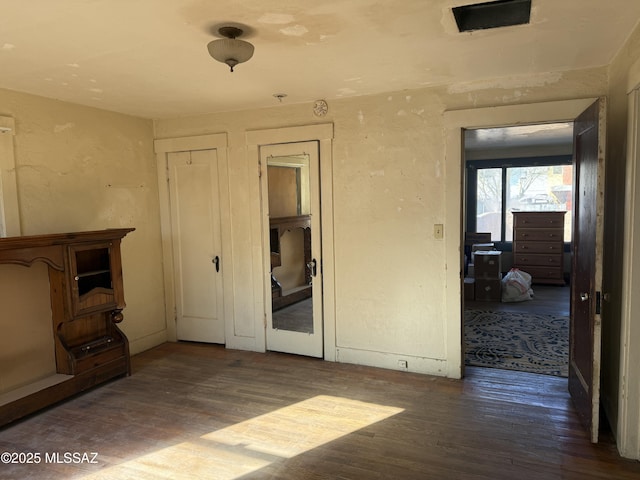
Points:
[(598, 303), (259, 168), (265, 321)]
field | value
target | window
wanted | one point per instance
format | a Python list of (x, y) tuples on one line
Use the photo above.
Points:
[(497, 188), (9, 213)]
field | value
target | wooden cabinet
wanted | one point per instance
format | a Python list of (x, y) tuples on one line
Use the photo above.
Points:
[(87, 299), (538, 245), (91, 270)]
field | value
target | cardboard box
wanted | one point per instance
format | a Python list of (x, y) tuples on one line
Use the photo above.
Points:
[(487, 264), (473, 237), (488, 289), (469, 288)]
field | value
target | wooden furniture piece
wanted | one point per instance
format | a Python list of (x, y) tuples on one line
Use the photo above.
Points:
[(278, 226), (488, 275), (87, 298), (538, 245)]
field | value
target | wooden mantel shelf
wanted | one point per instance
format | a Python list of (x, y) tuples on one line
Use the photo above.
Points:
[(287, 223), (278, 226), (49, 248), (87, 299)]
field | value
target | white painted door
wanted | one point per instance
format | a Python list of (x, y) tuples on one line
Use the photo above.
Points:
[(292, 248), (197, 257)]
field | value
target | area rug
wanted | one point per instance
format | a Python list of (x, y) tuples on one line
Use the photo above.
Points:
[(526, 342)]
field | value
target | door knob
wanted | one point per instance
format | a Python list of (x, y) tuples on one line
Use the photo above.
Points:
[(584, 297), (312, 267), (216, 262)]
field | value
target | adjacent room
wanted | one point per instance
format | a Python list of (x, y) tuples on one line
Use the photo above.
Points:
[(519, 319), (237, 238)]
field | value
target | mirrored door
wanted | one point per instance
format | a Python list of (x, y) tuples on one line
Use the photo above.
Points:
[(291, 214)]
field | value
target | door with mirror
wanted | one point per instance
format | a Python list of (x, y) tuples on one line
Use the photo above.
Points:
[(292, 250)]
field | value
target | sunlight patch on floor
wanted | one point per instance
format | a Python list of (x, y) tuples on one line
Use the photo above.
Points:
[(253, 444)]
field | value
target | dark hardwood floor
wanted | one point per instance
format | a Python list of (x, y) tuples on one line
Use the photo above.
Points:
[(547, 299), (197, 411)]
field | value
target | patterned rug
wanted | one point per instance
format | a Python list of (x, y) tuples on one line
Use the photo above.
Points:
[(526, 342)]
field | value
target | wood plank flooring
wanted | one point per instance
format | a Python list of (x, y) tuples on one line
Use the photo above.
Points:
[(547, 299), (197, 411)]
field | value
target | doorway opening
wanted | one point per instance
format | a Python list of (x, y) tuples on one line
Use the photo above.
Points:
[(585, 330), (518, 319)]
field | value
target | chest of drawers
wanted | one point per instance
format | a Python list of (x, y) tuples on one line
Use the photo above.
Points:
[(538, 245)]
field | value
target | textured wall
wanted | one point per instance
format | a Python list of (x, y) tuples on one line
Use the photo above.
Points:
[(80, 168), (390, 188)]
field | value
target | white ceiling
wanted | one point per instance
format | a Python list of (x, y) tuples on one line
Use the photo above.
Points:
[(149, 57), (544, 139)]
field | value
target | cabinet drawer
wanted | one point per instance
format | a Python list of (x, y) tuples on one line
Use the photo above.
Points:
[(539, 220), (90, 360), (539, 235), (540, 274), (538, 247), (522, 259)]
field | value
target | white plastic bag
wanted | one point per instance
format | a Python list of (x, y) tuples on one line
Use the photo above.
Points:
[(516, 286)]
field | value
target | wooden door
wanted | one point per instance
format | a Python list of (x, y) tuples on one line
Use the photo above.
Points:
[(586, 280), (298, 327), (197, 257)]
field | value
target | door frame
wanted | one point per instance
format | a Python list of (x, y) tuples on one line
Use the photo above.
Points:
[(628, 427), (9, 209), (162, 149), (323, 134), (455, 122)]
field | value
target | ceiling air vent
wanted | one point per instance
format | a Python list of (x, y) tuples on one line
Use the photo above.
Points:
[(501, 13)]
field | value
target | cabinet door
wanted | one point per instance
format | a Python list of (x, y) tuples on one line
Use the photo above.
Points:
[(92, 282)]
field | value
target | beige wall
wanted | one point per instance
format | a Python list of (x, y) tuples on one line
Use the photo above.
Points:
[(80, 168), (26, 345), (390, 186)]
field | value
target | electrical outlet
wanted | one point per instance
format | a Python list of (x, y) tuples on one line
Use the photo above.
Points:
[(403, 364), (438, 231)]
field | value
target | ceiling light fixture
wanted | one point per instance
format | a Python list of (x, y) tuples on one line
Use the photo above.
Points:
[(230, 50)]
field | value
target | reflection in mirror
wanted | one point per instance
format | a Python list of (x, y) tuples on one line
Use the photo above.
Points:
[(290, 236)]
